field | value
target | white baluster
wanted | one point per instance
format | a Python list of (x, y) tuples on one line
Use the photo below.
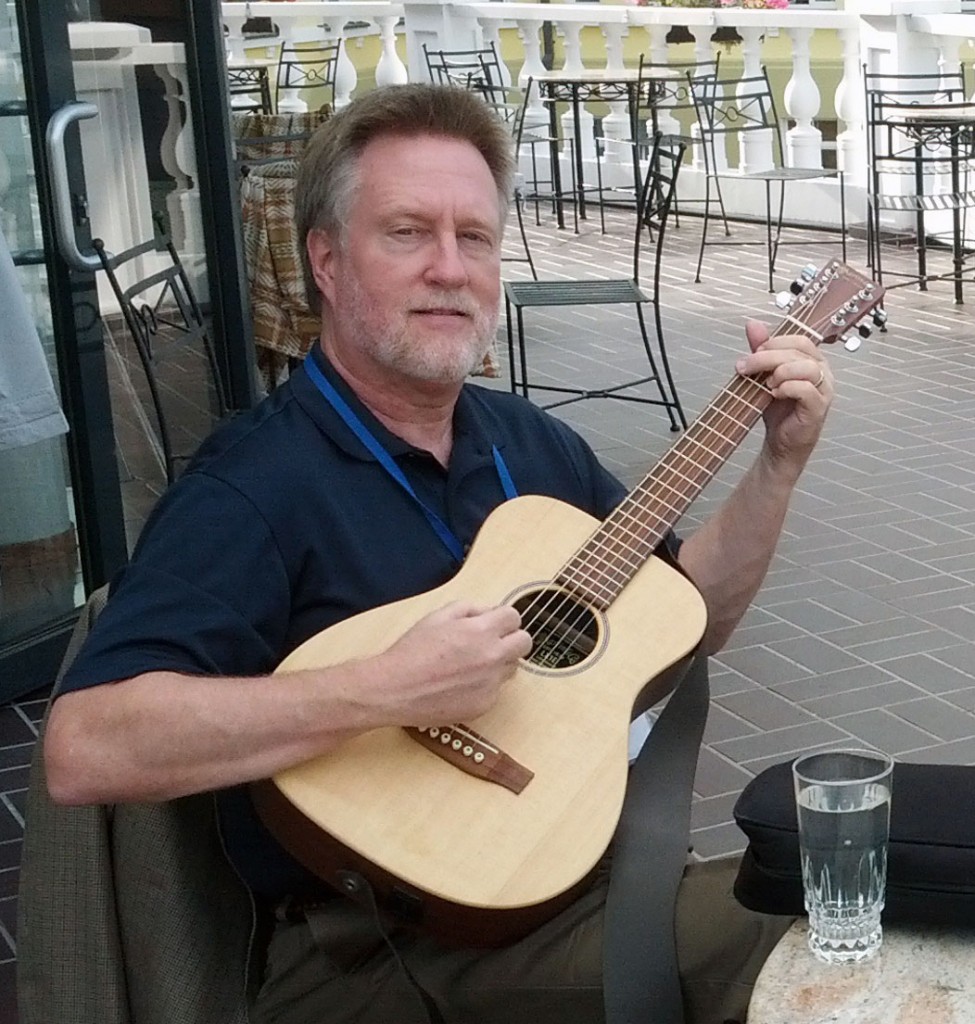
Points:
[(390, 70), (536, 115), (703, 51), (289, 101), (666, 122), (490, 32), (178, 155), (756, 151), (346, 76), (616, 124), (804, 141), (851, 142), (571, 33)]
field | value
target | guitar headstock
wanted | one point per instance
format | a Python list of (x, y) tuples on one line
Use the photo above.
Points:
[(828, 303)]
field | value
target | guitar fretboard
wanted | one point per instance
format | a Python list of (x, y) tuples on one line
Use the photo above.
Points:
[(609, 559)]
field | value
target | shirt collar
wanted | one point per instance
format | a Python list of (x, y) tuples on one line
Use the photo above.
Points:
[(470, 426)]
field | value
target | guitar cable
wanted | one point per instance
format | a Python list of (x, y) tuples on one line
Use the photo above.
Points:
[(358, 888)]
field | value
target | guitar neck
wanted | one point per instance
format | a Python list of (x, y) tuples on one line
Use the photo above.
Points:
[(629, 536), (834, 301)]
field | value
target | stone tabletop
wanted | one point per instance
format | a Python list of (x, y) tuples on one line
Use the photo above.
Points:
[(920, 976)]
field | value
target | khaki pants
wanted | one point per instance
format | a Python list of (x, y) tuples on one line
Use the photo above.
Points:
[(335, 969)]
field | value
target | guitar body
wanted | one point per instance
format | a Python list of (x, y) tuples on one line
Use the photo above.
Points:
[(479, 862)]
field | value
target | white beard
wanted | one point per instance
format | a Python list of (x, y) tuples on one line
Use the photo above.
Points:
[(391, 342)]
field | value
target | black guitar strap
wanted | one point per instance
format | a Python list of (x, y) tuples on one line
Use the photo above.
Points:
[(641, 984)]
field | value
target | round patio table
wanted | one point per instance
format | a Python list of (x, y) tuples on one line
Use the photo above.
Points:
[(919, 976)]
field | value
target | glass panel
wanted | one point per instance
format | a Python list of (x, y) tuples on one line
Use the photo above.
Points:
[(39, 565), (141, 182)]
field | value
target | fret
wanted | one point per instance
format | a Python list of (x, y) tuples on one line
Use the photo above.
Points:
[(832, 303)]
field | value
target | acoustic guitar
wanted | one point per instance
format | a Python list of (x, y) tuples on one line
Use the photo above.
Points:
[(484, 830)]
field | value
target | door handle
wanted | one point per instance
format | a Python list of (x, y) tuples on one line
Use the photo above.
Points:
[(64, 223)]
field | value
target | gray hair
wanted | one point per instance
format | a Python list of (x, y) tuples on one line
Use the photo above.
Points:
[(328, 174)]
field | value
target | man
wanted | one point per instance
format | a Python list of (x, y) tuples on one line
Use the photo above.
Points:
[(359, 482)]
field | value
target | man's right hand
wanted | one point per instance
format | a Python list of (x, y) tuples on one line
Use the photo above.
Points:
[(451, 665)]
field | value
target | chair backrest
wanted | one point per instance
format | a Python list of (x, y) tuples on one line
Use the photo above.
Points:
[(477, 70), (251, 88), (656, 201), (895, 143), (917, 88), (307, 67), (163, 318), (663, 88), (734, 108)]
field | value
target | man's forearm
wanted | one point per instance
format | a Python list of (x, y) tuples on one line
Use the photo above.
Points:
[(728, 557), (163, 735)]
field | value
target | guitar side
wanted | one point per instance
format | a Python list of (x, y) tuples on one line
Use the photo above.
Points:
[(461, 839)]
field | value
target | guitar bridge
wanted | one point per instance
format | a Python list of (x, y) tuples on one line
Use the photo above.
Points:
[(469, 751)]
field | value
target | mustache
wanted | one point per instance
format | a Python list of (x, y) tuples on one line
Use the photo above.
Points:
[(446, 301)]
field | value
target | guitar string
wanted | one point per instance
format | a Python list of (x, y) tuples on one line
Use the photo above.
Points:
[(619, 534), (642, 537), (626, 539), (642, 554), (703, 422), (646, 539), (669, 467)]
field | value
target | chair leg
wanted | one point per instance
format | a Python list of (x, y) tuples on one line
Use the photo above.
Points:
[(511, 346), (670, 401), (524, 237), (704, 227), (724, 215), (842, 177), (521, 352)]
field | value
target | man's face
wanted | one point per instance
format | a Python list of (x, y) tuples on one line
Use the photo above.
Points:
[(414, 285)]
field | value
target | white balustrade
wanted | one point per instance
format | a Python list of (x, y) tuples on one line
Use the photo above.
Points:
[(305, 21)]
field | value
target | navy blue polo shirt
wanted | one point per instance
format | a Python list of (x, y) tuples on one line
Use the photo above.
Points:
[(284, 524)]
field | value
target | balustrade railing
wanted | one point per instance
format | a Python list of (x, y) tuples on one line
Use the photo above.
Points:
[(815, 55)]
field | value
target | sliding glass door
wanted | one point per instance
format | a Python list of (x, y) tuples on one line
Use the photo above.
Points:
[(99, 122)]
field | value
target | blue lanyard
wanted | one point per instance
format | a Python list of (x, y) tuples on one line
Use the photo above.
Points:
[(361, 431)]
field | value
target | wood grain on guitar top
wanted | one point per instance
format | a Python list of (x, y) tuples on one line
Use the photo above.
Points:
[(460, 838)]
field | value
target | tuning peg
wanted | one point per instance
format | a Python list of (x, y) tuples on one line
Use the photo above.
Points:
[(851, 342), (880, 317), (864, 331), (783, 300), (808, 272)]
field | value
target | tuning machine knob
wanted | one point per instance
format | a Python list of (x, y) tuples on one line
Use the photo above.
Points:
[(879, 317), (783, 300), (851, 342)]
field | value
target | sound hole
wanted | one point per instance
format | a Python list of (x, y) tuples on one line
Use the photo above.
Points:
[(564, 631)]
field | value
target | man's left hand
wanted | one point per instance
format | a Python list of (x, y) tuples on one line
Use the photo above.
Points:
[(801, 382)]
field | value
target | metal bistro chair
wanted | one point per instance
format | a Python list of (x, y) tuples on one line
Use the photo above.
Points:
[(654, 207), (307, 68), (164, 320), (476, 70), (743, 109), (666, 104), (249, 88), (921, 154)]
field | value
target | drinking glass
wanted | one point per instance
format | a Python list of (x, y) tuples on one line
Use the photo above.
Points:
[(843, 804)]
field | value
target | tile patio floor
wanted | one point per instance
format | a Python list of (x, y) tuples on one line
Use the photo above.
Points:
[(864, 632)]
